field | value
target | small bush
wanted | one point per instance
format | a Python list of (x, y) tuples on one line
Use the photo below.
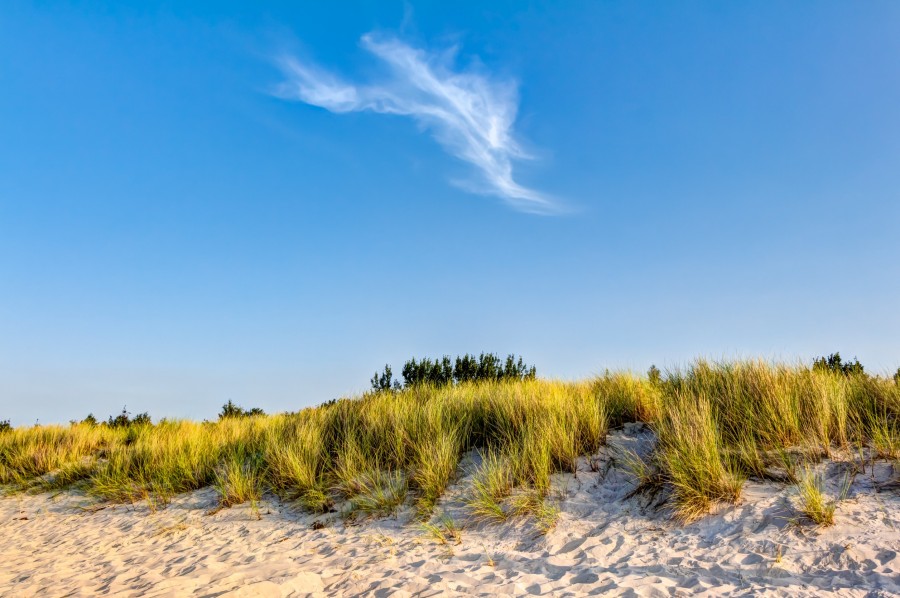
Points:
[(885, 433), (536, 504), (426, 371), (487, 367), (123, 420), (120, 421), (897, 377), (5, 426), (142, 419), (833, 363), (230, 410), (384, 381)]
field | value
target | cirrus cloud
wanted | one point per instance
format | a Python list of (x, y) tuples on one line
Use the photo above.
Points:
[(470, 114)]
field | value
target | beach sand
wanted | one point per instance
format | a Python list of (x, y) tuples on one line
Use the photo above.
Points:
[(604, 542)]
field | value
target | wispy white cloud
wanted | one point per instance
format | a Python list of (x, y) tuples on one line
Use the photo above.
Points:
[(470, 114)]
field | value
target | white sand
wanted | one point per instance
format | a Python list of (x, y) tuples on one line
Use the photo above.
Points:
[(603, 543)]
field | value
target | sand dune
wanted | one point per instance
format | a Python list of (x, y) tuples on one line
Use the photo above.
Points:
[(604, 542)]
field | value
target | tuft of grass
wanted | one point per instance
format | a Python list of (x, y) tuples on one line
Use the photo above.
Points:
[(489, 560), (535, 504), (173, 456), (444, 531), (693, 458), (68, 474), (885, 434), (547, 516), (812, 499), (239, 479), (436, 460), (316, 500), (379, 492), (629, 398), (646, 473), (493, 481), (296, 458)]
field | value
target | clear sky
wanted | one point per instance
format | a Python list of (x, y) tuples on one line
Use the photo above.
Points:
[(269, 201)]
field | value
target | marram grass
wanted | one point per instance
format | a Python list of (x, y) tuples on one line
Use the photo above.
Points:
[(813, 503), (716, 425)]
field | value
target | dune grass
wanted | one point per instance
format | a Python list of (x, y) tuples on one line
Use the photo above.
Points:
[(694, 458), (492, 483), (716, 424), (238, 477), (813, 502), (444, 531), (28, 453)]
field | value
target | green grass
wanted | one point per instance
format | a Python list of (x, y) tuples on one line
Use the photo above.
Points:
[(813, 503), (493, 481), (379, 492), (533, 503), (436, 459), (238, 478), (694, 459), (27, 453), (716, 423), (445, 531)]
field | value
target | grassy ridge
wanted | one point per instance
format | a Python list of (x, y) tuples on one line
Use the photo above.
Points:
[(716, 423)]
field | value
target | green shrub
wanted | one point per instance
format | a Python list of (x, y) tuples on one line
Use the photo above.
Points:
[(833, 363), (468, 368), (142, 419), (488, 366), (384, 381), (123, 420), (5, 426), (120, 421), (426, 371), (230, 410)]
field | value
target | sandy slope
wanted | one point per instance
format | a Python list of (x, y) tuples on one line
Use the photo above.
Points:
[(603, 543)]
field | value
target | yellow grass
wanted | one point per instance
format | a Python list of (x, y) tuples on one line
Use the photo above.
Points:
[(716, 423), (813, 503)]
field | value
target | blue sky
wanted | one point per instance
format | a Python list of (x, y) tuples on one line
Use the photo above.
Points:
[(204, 201)]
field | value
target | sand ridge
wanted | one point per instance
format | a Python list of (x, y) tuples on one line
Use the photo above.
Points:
[(605, 542)]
